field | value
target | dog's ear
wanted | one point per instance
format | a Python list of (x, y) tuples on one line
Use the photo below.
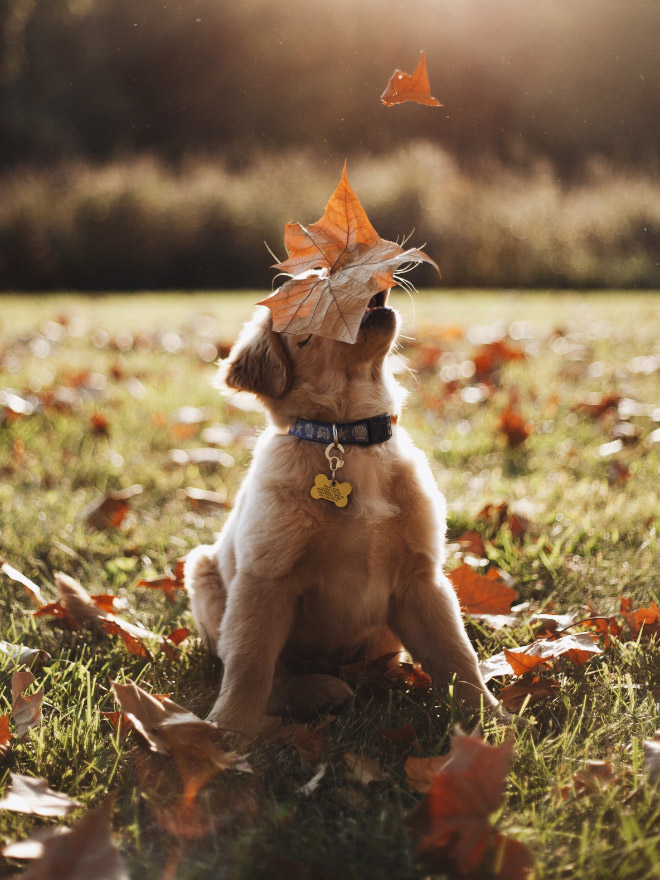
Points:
[(258, 362)]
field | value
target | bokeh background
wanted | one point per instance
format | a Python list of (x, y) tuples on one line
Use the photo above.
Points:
[(158, 143)]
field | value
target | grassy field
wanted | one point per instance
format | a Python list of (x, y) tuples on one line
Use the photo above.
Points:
[(91, 391)]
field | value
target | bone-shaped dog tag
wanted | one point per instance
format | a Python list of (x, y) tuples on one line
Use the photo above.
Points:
[(330, 490)]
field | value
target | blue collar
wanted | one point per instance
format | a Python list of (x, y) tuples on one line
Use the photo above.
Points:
[(365, 432)]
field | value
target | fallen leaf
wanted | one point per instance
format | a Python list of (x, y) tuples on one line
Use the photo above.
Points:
[(472, 542), (453, 818), (310, 744), (84, 852), (593, 779), (100, 424), (170, 583), (24, 656), (413, 86), (420, 772), (527, 692), (119, 721), (402, 737), (109, 510), (579, 647), (30, 586), (481, 594), (26, 710), (514, 427), (5, 737), (337, 265), (60, 613), (30, 795), (364, 769), (645, 620), (132, 644)]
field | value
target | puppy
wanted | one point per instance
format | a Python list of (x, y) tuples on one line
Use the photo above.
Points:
[(299, 581)]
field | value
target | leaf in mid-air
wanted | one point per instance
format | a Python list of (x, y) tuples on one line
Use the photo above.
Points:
[(413, 86), (336, 265)]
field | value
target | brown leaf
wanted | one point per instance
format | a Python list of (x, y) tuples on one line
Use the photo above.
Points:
[(593, 779), (421, 772), (413, 86), (30, 795), (84, 852), (453, 817), (132, 644), (57, 610), (22, 655), (514, 427), (364, 769), (479, 594), (579, 647), (30, 586), (472, 542), (170, 584), (119, 721), (337, 265), (5, 737), (644, 620), (109, 510), (26, 710), (402, 737), (527, 692)]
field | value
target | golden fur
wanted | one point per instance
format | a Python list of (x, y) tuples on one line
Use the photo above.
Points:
[(294, 586)]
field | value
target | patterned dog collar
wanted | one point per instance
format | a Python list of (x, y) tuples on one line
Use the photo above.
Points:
[(365, 432)]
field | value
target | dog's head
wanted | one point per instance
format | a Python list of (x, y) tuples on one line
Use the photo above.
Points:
[(313, 377)]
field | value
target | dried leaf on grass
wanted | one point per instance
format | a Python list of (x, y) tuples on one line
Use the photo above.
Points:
[(481, 594), (336, 266), (170, 583), (109, 510), (84, 852), (5, 737), (413, 86), (24, 656), (30, 586), (402, 737), (579, 647), (453, 819), (527, 691), (30, 795), (421, 772), (364, 769), (26, 710), (594, 778)]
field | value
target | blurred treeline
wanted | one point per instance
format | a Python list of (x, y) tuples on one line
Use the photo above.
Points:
[(149, 143)]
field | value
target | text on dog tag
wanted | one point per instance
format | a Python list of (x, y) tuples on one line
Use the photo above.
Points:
[(330, 490)]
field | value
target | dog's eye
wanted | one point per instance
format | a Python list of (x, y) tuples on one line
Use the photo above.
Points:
[(304, 342)]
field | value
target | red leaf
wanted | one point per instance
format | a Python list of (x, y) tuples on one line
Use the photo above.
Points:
[(131, 643), (178, 635), (4, 737), (421, 772), (454, 815), (479, 594), (413, 86), (645, 620), (472, 542), (514, 427), (170, 584), (337, 265)]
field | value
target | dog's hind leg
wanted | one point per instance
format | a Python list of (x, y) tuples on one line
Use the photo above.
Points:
[(207, 592)]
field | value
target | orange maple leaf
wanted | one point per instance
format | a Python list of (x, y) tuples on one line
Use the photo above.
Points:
[(413, 86), (336, 265), (479, 594), (454, 816)]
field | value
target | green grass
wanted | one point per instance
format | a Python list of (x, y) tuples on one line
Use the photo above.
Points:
[(592, 538)]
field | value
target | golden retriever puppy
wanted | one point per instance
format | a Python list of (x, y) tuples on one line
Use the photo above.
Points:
[(301, 581)]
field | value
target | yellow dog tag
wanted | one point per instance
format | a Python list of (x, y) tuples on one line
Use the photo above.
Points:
[(330, 490)]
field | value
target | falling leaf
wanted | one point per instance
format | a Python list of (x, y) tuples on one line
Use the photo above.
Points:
[(579, 647), (109, 510), (364, 769), (454, 816), (26, 710), (20, 578), (336, 265), (527, 691), (30, 795), (311, 786), (413, 86), (84, 852), (420, 772), (5, 737), (481, 594)]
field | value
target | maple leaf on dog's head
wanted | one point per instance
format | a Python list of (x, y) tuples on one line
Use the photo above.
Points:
[(337, 264), (413, 86)]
